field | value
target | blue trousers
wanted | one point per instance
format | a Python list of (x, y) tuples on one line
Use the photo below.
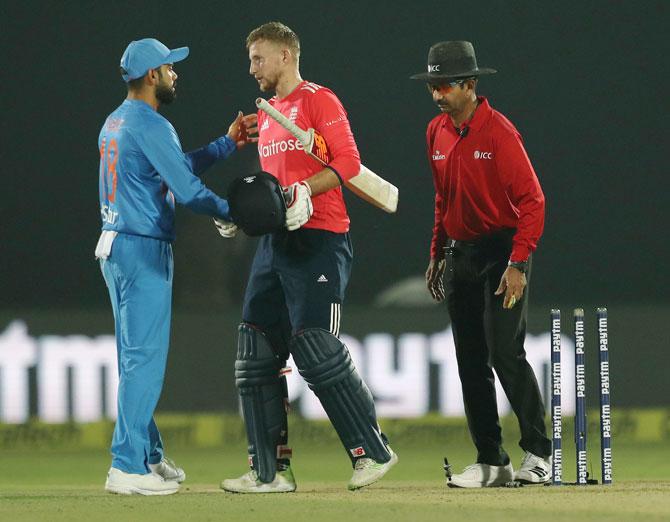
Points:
[(138, 274), (297, 281)]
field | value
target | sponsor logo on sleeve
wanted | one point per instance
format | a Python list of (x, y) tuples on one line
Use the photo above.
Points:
[(437, 155), (114, 124), (333, 122)]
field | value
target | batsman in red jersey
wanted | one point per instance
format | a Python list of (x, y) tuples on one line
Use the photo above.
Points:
[(293, 300), (489, 215)]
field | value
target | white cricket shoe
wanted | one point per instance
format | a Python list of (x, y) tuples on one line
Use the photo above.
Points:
[(284, 482), (167, 469), (534, 469), (482, 476), (124, 483), (368, 471)]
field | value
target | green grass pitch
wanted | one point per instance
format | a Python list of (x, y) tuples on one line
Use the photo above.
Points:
[(68, 485)]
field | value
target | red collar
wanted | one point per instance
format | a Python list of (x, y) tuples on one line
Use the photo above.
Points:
[(482, 114), (291, 95)]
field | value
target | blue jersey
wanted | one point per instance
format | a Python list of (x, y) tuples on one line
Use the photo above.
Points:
[(143, 170)]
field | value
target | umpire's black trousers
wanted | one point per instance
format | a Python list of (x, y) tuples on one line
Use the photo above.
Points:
[(489, 337)]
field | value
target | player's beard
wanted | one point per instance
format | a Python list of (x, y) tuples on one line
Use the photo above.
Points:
[(165, 94), (268, 84)]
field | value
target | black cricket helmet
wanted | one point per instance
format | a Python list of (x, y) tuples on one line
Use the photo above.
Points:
[(257, 204)]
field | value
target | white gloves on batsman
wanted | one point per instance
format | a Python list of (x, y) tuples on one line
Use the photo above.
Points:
[(298, 205), (227, 229)]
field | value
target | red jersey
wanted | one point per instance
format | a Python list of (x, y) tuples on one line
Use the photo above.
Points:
[(484, 182), (282, 155)]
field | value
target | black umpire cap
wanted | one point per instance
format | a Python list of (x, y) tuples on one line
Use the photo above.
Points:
[(257, 204)]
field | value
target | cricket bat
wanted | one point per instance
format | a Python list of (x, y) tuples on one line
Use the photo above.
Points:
[(366, 184)]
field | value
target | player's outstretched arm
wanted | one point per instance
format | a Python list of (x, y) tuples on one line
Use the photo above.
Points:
[(161, 146), (244, 129), (241, 131)]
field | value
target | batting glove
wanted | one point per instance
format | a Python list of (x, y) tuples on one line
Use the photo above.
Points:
[(227, 229), (298, 205)]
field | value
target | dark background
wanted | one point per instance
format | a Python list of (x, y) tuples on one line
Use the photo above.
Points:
[(582, 81)]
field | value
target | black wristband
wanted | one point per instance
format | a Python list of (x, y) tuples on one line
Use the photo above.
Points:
[(521, 266), (337, 174)]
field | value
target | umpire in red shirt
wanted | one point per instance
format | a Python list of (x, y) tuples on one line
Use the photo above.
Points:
[(489, 215)]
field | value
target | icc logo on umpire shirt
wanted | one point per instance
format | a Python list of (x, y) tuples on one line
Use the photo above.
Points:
[(483, 155)]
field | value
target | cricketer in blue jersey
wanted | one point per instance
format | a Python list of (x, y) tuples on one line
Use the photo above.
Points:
[(143, 172)]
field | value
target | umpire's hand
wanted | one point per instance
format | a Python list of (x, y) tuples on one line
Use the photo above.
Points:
[(434, 275), (512, 283)]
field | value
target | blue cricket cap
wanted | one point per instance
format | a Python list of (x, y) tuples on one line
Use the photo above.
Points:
[(148, 53)]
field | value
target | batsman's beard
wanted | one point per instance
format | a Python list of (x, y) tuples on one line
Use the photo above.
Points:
[(266, 85)]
